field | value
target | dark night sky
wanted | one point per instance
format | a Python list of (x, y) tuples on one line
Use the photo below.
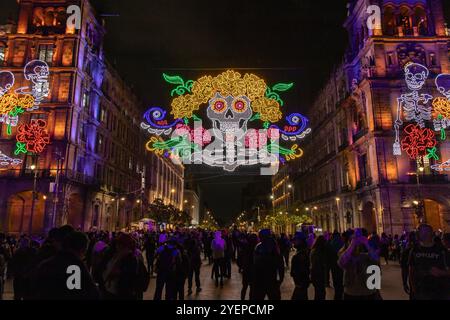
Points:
[(282, 41)]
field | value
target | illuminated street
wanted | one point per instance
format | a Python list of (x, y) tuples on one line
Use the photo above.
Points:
[(312, 134)]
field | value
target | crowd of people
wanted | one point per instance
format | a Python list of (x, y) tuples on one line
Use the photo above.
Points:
[(120, 266)]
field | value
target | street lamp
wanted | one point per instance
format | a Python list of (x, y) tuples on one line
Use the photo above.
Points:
[(419, 209), (33, 200)]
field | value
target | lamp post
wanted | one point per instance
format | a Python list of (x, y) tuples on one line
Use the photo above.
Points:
[(420, 205), (56, 188), (338, 223), (33, 200), (272, 197), (291, 192)]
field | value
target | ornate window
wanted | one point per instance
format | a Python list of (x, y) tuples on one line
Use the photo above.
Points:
[(420, 22), (38, 17), (46, 53), (404, 21), (389, 24)]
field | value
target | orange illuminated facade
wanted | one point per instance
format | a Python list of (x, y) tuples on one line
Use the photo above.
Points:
[(95, 172)]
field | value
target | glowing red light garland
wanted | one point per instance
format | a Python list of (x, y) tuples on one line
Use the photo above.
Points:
[(32, 136), (417, 141)]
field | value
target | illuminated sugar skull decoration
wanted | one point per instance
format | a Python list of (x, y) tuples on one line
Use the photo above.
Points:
[(233, 104), (229, 114)]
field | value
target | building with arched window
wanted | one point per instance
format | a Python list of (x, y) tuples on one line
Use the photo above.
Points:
[(349, 173), (95, 172)]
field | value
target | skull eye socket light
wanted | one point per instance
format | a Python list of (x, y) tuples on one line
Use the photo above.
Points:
[(219, 106), (240, 105)]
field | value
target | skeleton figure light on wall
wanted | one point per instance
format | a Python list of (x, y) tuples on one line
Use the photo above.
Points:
[(415, 106), (36, 71)]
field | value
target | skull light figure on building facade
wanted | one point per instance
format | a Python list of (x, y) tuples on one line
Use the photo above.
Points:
[(415, 106)]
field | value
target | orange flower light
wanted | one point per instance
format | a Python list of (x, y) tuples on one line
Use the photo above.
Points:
[(417, 141), (34, 135)]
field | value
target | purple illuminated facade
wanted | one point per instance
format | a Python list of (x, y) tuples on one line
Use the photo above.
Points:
[(95, 172)]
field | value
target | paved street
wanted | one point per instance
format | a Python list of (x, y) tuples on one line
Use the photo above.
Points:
[(391, 286)]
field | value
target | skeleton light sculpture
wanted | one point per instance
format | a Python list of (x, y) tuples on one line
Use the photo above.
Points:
[(414, 105), (36, 71)]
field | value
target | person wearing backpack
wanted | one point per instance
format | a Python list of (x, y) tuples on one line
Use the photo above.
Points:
[(168, 261)]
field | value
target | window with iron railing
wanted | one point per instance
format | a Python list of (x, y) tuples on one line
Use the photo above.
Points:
[(46, 53)]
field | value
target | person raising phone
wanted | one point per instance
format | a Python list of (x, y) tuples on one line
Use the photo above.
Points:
[(355, 260)]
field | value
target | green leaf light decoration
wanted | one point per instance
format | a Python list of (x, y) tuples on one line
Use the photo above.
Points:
[(271, 93), (182, 86)]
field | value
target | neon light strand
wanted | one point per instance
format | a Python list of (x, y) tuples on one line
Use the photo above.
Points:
[(271, 93), (445, 166), (157, 122), (296, 127), (33, 135), (418, 141), (6, 161)]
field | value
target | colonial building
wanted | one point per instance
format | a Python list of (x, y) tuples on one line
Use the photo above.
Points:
[(349, 174), (95, 172)]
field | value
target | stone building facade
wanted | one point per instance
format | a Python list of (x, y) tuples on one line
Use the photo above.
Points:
[(95, 172), (349, 172)]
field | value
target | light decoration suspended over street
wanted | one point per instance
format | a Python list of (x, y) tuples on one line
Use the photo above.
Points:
[(231, 103)]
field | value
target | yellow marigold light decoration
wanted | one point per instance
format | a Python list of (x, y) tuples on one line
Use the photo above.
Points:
[(255, 86), (441, 106), (184, 106), (228, 83), (268, 109), (203, 89), (8, 102), (26, 102)]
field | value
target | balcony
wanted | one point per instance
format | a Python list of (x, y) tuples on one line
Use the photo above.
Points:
[(364, 183)]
